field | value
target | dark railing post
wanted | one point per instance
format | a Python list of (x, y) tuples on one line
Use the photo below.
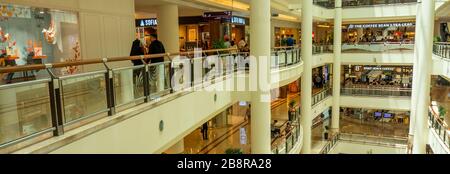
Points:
[(109, 81), (146, 84), (192, 72), (171, 73), (56, 106), (285, 58)]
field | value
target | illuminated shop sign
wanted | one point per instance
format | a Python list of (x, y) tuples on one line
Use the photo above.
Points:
[(218, 15), (238, 20), (146, 22), (384, 25), (379, 68)]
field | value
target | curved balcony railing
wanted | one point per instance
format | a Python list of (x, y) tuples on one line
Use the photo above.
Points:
[(378, 91), (360, 3), (320, 96), (286, 142), (50, 106), (442, 49), (321, 49), (441, 128), (332, 142), (374, 47)]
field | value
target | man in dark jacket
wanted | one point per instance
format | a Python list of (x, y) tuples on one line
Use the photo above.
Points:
[(157, 76), (156, 47)]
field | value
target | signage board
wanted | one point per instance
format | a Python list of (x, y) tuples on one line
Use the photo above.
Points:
[(238, 20), (218, 15), (151, 22), (381, 25), (379, 68)]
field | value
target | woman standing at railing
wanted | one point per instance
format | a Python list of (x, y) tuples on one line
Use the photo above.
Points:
[(136, 50)]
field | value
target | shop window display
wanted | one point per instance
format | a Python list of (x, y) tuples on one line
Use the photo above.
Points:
[(30, 35)]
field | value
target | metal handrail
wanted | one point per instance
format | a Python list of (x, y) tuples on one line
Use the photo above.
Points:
[(381, 89), (330, 144), (442, 130), (55, 84), (442, 49), (103, 60), (330, 4)]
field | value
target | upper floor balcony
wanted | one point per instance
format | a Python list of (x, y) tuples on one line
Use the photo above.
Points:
[(360, 3)]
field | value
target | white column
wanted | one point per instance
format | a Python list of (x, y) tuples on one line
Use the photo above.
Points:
[(415, 84), (168, 30), (260, 48), (337, 66), (177, 148), (168, 34), (424, 75), (306, 93)]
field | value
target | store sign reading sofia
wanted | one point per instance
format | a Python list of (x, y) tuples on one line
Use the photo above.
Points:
[(146, 22)]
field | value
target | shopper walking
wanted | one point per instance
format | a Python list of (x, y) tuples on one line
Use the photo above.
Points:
[(248, 113), (290, 41), (205, 131)]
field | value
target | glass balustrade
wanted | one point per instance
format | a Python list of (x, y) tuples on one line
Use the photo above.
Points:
[(24, 110), (321, 49), (330, 144), (129, 85), (320, 96), (439, 127), (286, 142), (62, 103), (442, 49), (373, 47), (360, 3), (376, 91), (77, 93)]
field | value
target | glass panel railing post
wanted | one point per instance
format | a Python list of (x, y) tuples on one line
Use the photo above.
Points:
[(171, 73), (146, 84), (56, 107), (109, 87), (285, 58)]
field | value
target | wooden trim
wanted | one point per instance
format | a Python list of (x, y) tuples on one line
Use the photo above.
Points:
[(97, 61)]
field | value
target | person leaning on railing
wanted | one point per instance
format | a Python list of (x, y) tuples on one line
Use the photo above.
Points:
[(6, 63), (137, 50)]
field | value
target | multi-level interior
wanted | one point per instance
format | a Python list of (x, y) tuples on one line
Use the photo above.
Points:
[(236, 76)]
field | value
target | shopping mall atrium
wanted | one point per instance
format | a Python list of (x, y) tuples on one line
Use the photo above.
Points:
[(224, 77)]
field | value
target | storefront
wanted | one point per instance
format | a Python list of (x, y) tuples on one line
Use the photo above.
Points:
[(382, 32), (322, 76), (240, 29), (30, 35), (204, 31), (285, 94), (282, 33), (200, 31), (398, 76), (323, 33)]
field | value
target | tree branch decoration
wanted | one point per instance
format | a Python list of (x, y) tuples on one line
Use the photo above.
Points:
[(4, 37), (50, 33), (76, 57)]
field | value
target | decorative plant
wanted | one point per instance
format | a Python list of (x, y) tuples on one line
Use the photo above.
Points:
[(442, 112), (219, 45), (292, 103), (233, 151), (437, 39)]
